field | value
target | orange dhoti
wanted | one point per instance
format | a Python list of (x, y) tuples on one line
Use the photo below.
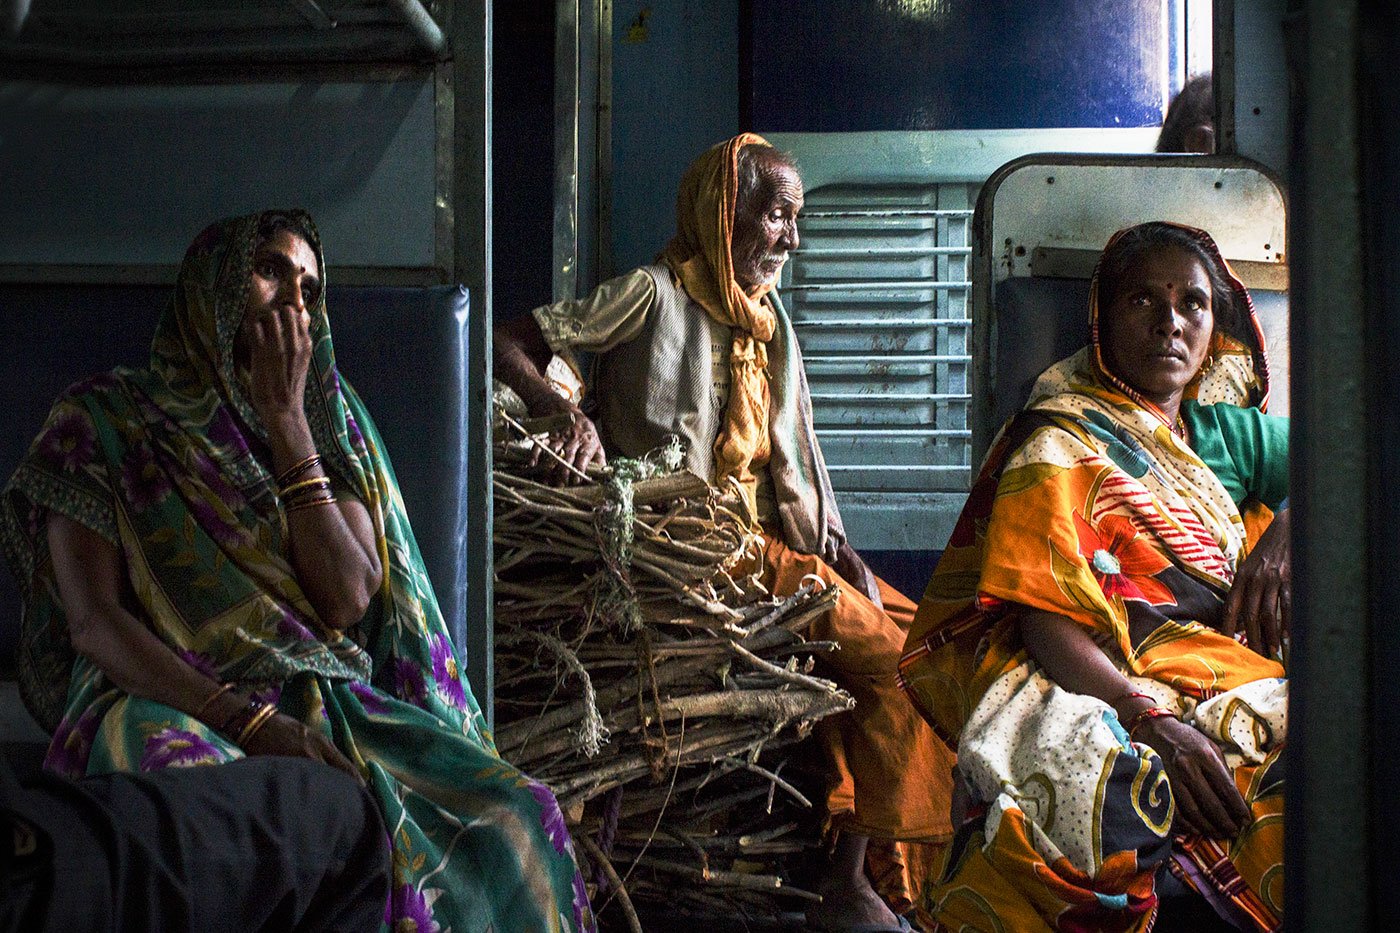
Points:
[(889, 775)]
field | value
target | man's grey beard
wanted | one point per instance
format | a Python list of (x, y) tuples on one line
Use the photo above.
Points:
[(774, 259)]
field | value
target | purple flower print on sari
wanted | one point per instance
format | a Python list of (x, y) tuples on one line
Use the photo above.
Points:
[(352, 431), (200, 662), (224, 434), (143, 481), (368, 698), (177, 748), (411, 911), (99, 382), (408, 682), (289, 626), (70, 439), (269, 694), (551, 817), (445, 672), (582, 910), (72, 744), (213, 524)]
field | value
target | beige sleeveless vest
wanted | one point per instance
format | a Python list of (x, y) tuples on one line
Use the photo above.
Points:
[(660, 383)]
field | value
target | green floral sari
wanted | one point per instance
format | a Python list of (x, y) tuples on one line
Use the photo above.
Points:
[(158, 462)]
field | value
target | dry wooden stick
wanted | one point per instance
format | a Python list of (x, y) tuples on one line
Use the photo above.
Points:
[(544, 447), (619, 890), (782, 673)]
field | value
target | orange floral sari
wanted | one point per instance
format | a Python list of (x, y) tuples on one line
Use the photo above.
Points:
[(1090, 507)]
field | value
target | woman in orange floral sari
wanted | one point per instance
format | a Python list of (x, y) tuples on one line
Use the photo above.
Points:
[(1104, 636)]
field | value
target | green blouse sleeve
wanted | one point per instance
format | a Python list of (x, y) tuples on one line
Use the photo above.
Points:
[(1246, 448)]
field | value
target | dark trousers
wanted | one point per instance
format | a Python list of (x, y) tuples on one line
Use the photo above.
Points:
[(259, 844)]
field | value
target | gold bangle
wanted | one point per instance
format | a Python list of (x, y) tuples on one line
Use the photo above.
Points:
[(204, 707), (298, 468), (310, 503), (256, 723), (316, 482)]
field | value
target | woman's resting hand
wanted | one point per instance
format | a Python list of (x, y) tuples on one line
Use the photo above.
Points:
[(1260, 602), (283, 735), (1207, 800)]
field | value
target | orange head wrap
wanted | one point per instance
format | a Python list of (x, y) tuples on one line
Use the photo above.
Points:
[(699, 255)]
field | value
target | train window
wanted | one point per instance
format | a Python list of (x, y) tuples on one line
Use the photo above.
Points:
[(878, 293)]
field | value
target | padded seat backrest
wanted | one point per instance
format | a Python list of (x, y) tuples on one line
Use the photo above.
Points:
[(1038, 323), (403, 349)]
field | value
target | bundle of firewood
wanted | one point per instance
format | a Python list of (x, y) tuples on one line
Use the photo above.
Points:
[(644, 673)]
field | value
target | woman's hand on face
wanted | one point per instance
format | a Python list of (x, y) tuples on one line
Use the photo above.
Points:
[(279, 356), (1207, 800), (1260, 602), (283, 735)]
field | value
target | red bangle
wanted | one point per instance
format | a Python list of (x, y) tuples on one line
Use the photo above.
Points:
[(1152, 712)]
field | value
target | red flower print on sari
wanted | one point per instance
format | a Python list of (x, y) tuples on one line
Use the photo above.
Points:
[(1123, 561)]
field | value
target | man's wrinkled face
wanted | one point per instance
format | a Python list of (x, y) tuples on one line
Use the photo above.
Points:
[(765, 226)]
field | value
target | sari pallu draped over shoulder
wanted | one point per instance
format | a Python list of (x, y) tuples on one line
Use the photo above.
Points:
[(1091, 507), (159, 461)]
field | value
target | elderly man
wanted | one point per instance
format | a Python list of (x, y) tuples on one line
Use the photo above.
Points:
[(697, 345)]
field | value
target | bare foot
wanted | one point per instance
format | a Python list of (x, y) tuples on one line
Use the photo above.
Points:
[(848, 900), (844, 908)]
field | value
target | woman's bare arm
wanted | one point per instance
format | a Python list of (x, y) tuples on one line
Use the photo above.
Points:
[(332, 546), (1071, 658), (91, 577), (1261, 598), (1206, 796)]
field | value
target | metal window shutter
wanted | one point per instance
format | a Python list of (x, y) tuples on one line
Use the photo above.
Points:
[(878, 293)]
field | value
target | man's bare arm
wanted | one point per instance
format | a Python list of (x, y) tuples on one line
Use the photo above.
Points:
[(521, 357)]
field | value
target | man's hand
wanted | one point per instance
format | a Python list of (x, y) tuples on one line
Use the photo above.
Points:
[(1207, 800), (577, 445), (521, 358), (1261, 598), (854, 571), (279, 356)]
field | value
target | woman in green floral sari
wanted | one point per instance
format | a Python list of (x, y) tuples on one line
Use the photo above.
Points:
[(216, 562)]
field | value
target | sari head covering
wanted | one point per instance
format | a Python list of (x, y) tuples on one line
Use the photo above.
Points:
[(160, 462), (699, 255), (1237, 344), (1090, 506)]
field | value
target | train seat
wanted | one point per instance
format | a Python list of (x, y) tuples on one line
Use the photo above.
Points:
[(404, 350), (1040, 224)]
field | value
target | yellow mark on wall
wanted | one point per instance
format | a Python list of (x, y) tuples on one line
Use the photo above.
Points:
[(636, 32)]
